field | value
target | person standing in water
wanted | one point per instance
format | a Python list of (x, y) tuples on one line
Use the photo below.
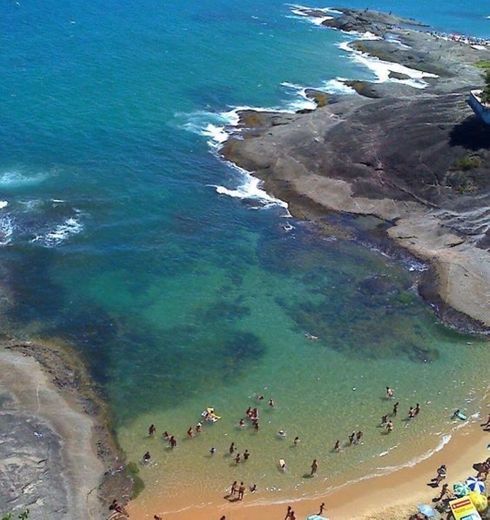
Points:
[(246, 455), (237, 458), (314, 467), (337, 446), (271, 403), (395, 409), (232, 448), (417, 410), (352, 436), (151, 430), (359, 437), (189, 432), (390, 393), (296, 441), (389, 427)]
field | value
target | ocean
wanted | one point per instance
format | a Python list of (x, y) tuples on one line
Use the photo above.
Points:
[(182, 283)]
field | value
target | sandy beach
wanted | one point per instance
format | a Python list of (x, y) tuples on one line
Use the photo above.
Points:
[(394, 495)]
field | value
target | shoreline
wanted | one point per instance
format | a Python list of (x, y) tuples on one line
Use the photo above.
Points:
[(64, 459), (306, 159), (393, 495)]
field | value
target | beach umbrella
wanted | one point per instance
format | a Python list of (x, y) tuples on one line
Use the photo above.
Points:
[(460, 490), (479, 501), (426, 510), (475, 485)]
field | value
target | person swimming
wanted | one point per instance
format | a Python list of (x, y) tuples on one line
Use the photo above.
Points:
[(282, 434)]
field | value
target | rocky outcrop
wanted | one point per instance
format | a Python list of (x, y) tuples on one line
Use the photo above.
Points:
[(418, 159)]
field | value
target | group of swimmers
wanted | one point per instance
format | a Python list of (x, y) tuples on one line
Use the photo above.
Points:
[(237, 491)]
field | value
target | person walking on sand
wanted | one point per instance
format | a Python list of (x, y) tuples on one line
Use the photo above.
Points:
[(337, 446), (151, 430), (288, 513), (233, 489), (389, 427), (444, 492), (486, 424), (241, 491), (322, 508), (390, 393), (395, 409), (314, 467)]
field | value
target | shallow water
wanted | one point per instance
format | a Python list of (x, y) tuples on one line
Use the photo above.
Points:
[(115, 238)]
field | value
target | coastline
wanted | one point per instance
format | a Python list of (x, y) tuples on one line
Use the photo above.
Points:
[(63, 461), (393, 495), (50, 385), (342, 157)]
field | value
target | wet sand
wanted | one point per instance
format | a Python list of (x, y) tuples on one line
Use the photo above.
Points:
[(394, 495)]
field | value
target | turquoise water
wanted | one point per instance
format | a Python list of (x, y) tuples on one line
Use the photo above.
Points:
[(115, 239)]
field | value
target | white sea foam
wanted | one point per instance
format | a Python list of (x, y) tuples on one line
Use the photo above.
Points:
[(6, 230), (382, 69), (302, 101), (3, 204), (15, 179), (300, 11), (337, 86), (71, 226), (218, 126), (250, 188)]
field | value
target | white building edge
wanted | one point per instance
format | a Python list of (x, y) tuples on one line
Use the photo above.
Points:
[(482, 110)]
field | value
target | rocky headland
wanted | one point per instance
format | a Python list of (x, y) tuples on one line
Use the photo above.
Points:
[(58, 457), (417, 159)]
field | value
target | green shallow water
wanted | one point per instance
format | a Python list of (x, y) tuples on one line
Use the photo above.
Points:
[(247, 338)]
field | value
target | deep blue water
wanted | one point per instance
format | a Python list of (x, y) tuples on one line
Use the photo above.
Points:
[(114, 236)]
